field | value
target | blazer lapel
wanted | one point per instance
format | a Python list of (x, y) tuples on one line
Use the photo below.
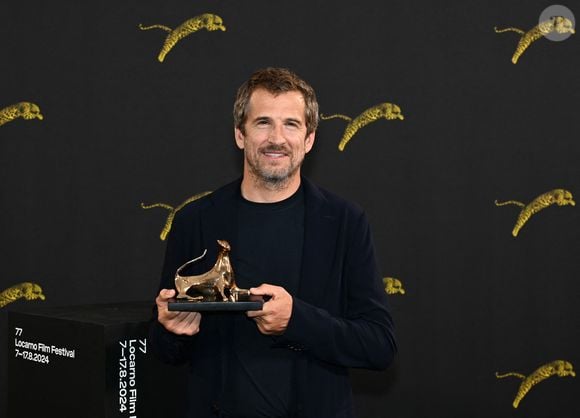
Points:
[(220, 219), (320, 235)]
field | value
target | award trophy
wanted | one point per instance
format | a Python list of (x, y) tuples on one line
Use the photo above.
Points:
[(214, 290)]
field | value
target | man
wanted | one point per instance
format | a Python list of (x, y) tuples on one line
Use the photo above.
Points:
[(308, 250)]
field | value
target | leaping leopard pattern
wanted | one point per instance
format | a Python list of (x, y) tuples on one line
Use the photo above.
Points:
[(559, 368), (393, 286), (387, 111), (172, 212), (26, 290), (558, 24), (560, 197), (24, 110), (207, 21)]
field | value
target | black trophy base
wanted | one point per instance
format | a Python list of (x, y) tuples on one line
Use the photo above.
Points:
[(200, 306)]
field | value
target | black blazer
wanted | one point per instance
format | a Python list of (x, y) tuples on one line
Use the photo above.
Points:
[(339, 318)]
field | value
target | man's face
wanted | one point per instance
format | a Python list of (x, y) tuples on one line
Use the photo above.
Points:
[(275, 140)]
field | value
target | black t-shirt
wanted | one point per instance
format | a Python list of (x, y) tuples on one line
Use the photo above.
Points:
[(268, 250)]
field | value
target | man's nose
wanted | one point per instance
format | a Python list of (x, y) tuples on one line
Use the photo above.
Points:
[(276, 134)]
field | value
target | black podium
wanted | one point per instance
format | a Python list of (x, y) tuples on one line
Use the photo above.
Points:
[(88, 361)]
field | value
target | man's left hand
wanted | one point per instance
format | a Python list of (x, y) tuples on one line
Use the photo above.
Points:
[(275, 314)]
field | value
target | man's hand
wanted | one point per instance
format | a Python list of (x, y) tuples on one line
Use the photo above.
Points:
[(180, 323), (275, 314)]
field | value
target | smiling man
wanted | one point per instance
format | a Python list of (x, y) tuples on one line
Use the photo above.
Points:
[(308, 250), (274, 141)]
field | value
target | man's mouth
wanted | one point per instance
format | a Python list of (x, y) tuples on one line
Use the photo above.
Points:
[(274, 153)]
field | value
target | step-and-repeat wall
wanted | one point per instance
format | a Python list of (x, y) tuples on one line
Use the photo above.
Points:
[(454, 124)]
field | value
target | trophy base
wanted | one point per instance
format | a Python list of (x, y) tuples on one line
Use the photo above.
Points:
[(200, 306)]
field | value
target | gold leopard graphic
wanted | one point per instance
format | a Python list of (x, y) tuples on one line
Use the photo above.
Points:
[(559, 197), (387, 111), (24, 110), (559, 368), (558, 24), (207, 21), (26, 290), (393, 286), (172, 212)]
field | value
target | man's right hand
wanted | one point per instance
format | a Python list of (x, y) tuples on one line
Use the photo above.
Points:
[(180, 323)]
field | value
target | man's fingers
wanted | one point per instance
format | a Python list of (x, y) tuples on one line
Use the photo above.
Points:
[(191, 319), (275, 314), (166, 294), (255, 314), (178, 317), (184, 323), (185, 318), (163, 297), (264, 289), (178, 322)]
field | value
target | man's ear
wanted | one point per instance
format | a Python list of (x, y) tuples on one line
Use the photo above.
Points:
[(239, 138), (309, 141)]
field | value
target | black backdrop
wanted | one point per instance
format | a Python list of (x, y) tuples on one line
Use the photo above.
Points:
[(121, 128)]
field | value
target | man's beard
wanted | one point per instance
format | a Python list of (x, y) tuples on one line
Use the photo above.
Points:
[(273, 177)]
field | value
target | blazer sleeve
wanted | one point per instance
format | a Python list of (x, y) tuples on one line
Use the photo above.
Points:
[(362, 333)]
